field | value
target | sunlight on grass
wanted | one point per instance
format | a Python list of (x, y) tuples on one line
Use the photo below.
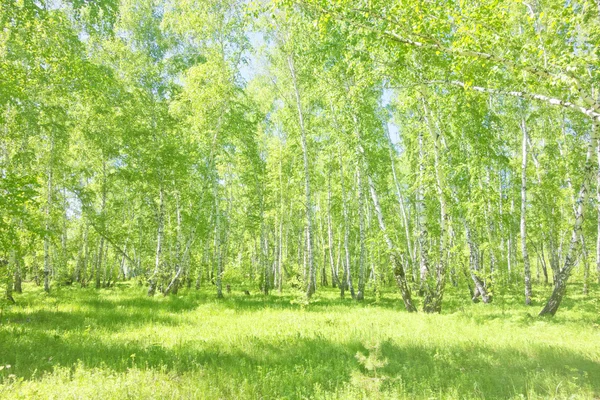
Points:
[(118, 344)]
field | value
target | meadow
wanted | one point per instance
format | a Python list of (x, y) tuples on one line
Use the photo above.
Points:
[(117, 343)]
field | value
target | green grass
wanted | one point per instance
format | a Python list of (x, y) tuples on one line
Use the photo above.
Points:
[(117, 343)]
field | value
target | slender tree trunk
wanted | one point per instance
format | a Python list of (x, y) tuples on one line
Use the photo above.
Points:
[(17, 281), (586, 265), (8, 276), (334, 277), (47, 234), (361, 228), (347, 272), (434, 296), (475, 267), (280, 253), (310, 288), (554, 257), (173, 286), (526, 265), (218, 278), (159, 238), (264, 252), (280, 256), (436, 304), (323, 248), (543, 263), (560, 281), (598, 202), (396, 263), (490, 229), (401, 202), (85, 261), (361, 217), (423, 239)]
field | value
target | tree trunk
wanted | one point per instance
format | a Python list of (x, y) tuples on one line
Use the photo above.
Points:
[(475, 267), (401, 202), (18, 287), (159, 238), (598, 204), (560, 281), (423, 239), (347, 282), (173, 286), (310, 288), (9, 275), (218, 278), (361, 217), (46, 234), (334, 277), (434, 296), (526, 265), (85, 262), (397, 267), (543, 263), (586, 265)]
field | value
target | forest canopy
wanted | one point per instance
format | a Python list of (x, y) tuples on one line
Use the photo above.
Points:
[(267, 145)]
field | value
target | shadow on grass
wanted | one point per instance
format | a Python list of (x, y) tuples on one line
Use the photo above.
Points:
[(305, 363)]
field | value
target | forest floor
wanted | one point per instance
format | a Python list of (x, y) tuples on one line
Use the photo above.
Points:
[(117, 343)]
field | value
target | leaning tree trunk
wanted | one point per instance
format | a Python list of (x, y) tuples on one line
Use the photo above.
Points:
[(526, 265), (401, 202), (397, 267), (560, 280), (474, 267)]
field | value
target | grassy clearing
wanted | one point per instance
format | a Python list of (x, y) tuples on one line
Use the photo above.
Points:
[(117, 343)]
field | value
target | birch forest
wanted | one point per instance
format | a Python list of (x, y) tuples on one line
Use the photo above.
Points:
[(300, 199)]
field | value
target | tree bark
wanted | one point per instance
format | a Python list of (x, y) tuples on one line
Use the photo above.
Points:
[(434, 295), (361, 217), (9, 276), (17, 281), (218, 278), (474, 266), (47, 233), (310, 287), (402, 204), (598, 202), (560, 281), (526, 265), (334, 277), (159, 238), (347, 281), (397, 267)]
